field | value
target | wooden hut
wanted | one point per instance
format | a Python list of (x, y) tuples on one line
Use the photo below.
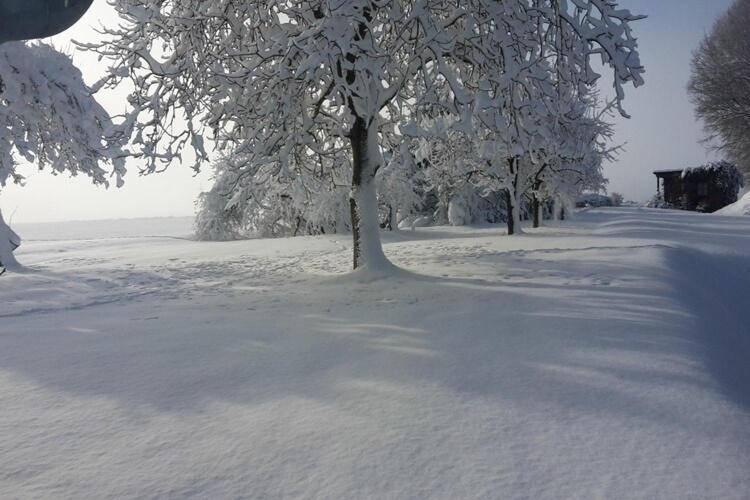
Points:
[(703, 189)]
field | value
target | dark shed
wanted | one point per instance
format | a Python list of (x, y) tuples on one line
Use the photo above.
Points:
[(703, 189)]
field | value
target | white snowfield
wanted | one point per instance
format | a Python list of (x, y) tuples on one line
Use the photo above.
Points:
[(606, 357)]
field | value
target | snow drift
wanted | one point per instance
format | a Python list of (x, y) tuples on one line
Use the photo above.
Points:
[(740, 208)]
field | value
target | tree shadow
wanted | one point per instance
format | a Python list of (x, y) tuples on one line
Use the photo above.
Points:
[(623, 349), (716, 289), (583, 349)]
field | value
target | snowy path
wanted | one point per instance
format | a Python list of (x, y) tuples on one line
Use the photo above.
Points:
[(605, 358)]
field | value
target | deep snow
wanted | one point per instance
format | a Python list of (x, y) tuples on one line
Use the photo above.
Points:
[(739, 208), (607, 357)]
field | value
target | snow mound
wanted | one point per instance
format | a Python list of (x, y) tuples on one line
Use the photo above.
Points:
[(739, 208)]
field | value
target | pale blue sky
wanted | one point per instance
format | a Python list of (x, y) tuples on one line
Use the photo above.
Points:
[(663, 132)]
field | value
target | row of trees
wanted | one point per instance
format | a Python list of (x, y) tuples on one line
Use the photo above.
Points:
[(329, 112), (304, 96), (435, 174)]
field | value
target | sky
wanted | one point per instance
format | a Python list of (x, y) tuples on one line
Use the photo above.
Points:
[(663, 132)]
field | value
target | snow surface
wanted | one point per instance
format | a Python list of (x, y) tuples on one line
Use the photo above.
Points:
[(606, 357), (739, 208)]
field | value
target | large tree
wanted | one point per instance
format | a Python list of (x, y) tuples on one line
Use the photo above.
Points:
[(720, 83), (49, 117)]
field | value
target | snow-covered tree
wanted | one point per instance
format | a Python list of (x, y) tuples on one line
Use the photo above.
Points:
[(720, 83), (267, 77), (535, 147), (399, 184), (215, 219), (9, 241), (307, 195), (448, 159), (522, 116), (574, 161), (48, 117)]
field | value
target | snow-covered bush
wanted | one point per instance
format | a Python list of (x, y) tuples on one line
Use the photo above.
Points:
[(594, 200), (658, 201)]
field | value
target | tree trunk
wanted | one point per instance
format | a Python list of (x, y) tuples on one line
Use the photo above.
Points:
[(513, 200), (363, 202), (9, 241), (441, 214), (388, 222), (555, 209), (366, 160), (509, 213), (536, 206), (517, 229)]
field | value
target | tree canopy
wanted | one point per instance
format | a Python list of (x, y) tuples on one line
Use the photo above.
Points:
[(720, 84)]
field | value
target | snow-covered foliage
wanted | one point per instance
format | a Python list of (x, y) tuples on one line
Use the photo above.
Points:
[(48, 117), (273, 78), (448, 160), (304, 197), (538, 122), (9, 241), (400, 185), (726, 179), (543, 143), (658, 201), (589, 199), (726, 174), (583, 143), (310, 196)]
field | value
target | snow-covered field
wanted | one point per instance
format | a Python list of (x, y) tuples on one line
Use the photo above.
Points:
[(607, 357)]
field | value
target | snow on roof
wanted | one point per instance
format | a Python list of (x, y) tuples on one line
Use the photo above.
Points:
[(715, 166)]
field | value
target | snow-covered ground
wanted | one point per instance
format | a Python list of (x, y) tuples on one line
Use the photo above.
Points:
[(607, 357)]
